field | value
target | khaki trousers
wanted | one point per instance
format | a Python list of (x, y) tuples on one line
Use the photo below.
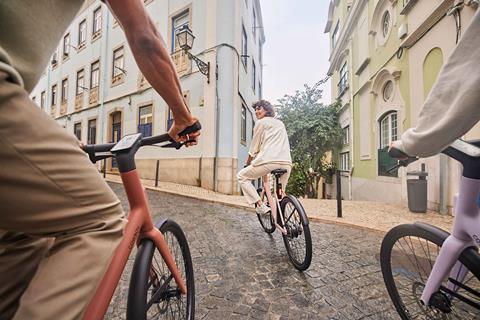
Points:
[(247, 174), (59, 221)]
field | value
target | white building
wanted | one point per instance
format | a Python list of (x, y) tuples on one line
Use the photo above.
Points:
[(94, 88)]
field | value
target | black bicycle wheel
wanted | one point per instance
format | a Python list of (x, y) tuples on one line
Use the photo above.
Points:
[(407, 256), (153, 293), (266, 220), (298, 240)]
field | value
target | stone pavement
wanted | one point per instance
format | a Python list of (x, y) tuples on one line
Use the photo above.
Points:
[(241, 272), (365, 214)]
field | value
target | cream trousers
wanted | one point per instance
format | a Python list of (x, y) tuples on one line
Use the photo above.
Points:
[(247, 174)]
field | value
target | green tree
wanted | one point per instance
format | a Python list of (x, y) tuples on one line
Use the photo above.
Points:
[(314, 131)]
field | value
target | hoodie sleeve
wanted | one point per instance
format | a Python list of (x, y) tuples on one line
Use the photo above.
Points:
[(453, 106)]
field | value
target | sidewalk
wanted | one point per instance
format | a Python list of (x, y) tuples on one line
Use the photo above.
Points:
[(364, 214)]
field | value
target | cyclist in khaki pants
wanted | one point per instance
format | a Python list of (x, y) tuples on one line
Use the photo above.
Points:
[(59, 221), (270, 150)]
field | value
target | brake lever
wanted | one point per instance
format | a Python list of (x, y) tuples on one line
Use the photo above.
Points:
[(177, 145), (402, 163)]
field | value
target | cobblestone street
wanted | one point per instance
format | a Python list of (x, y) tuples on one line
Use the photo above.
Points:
[(243, 273)]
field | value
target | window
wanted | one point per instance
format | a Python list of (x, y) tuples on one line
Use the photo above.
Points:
[(82, 32), (243, 125), (92, 131), (387, 91), (54, 95), (54, 58), (335, 34), (260, 90), (77, 130), (388, 129), (42, 100), (345, 161), (386, 24), (388, 133), (346, 135), (118, 62), (94, 74), (64, 90), (80, 82), (244, 47), (97, 21), (254, 25), (169, 118), (145, 119), (178, 22), (343, 83), (254, 75), (66, 45)]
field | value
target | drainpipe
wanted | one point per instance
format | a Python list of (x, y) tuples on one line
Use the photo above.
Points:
[(104, 81), (443, 184), (352, 123)]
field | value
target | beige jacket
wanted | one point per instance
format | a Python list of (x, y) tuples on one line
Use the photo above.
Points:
[(270, 143)]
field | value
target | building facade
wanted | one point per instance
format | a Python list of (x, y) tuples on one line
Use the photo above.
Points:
[(94, 88), (385, 57)]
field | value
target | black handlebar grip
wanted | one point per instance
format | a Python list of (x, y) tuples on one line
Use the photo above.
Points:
[(397, 154), (193, 128)]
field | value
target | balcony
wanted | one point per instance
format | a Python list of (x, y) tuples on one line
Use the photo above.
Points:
[(93, 98), (142, 82), (63, 107), (79, 102), (182, 63)]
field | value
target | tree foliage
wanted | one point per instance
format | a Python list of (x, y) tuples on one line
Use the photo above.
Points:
[(313, 130)]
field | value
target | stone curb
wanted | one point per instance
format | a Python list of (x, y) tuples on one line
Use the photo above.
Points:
[(252, 210)]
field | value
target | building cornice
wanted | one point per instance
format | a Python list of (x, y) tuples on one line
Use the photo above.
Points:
[(345, 34)]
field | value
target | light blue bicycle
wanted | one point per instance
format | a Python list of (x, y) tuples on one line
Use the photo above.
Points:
[(429, 273)]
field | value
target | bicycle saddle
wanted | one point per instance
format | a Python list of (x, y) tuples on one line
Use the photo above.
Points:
[(278, 172)]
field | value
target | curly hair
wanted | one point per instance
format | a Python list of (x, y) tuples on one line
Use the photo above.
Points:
[(267, 106)]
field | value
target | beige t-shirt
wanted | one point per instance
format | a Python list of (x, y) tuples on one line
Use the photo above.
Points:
[(30, 30), (270, 142)]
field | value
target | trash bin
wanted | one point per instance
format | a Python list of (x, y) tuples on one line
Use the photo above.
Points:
[(417, 191)]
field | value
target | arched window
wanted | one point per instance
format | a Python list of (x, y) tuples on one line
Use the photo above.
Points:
[(388, 129), (431, 68), (388, 133)]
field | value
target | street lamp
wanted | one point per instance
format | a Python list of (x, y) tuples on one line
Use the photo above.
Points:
[(185, 40)]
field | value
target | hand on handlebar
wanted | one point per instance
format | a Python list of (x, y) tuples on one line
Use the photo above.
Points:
[(190, 139)]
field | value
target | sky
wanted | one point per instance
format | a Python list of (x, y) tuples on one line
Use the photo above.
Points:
[(296, 50)]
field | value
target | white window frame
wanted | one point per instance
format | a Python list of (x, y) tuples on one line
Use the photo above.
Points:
[(388, 129), (95, 74)]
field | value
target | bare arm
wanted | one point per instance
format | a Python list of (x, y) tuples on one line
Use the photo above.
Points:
[(153, 59)]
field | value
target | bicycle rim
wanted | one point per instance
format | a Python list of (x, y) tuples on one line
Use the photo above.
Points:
[(158, 296), (298, 241), (266, 220), (407, 257)]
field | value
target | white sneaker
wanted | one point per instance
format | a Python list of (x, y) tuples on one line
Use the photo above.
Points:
[(263, 209)]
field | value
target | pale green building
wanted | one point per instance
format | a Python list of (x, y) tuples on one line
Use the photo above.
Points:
[(385, 57)]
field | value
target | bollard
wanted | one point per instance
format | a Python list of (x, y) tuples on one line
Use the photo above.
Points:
[(339, 195), (156, 173), (104, 168)]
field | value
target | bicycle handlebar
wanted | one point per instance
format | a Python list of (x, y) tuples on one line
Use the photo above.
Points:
[(92, 149)]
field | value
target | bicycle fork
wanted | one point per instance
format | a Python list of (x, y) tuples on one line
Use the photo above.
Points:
[(466, 210)]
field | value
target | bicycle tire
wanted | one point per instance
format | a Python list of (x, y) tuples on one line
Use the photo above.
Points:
[(417, 239), (267, 224), (142, 284), (295, 229)]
